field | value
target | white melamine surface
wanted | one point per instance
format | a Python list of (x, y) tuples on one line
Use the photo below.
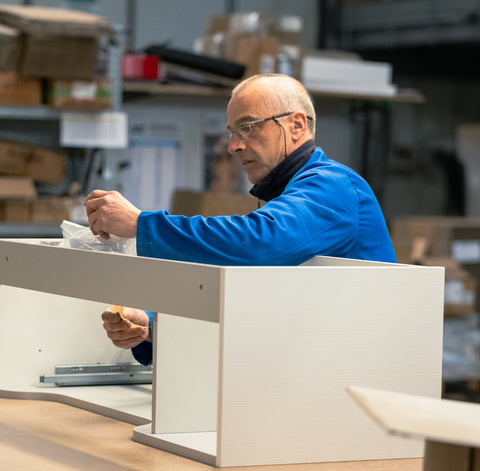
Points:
[(300, 337), (184, 289), (256, 358), (40, 331)]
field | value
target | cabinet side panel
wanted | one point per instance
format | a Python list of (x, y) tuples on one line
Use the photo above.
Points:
[(293, 340)]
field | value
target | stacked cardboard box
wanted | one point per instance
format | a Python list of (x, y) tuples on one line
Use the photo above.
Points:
[(10, 48), (51, 209), (38, 163), (55, 42), (41, 44), (16, 196), (21, 165), (18, 90), (453, 242), (93, 95), (263, 42), (15, 88), (19, 202)]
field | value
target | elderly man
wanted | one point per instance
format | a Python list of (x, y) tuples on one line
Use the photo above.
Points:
[(314, 205)]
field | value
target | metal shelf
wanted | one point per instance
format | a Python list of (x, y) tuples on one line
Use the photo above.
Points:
[(10, 230), (407, 96), (29, 112)]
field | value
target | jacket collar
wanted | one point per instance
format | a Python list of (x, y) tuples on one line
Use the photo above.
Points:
[(276, 181)]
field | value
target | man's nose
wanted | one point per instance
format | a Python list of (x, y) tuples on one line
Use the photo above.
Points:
[(235, 143)]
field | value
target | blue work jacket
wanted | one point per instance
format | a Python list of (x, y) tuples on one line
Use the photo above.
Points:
[(325, 209)]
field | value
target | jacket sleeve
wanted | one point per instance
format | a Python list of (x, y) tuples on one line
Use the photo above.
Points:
[(311, 217), (143, 352)]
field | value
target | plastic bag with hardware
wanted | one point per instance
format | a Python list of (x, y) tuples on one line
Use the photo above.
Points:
[(76, 236)]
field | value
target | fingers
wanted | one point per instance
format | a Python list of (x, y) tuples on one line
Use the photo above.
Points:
[(135, 316), (95, 194), (113, 318), (130, 338), (126, 337), (122, 332), (92, 207)]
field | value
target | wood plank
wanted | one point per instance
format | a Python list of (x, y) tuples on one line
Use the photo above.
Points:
[(57, 437), (410, 415)]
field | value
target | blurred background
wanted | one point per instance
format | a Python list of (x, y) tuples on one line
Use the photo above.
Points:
[(133, 98)]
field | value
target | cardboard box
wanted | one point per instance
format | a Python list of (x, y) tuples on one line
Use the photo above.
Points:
[(43, 21), (210, 203), (10, 48), (265, 43), (448, 236), (90, 95), (59, 57), (16, 195), (22, 205), (14, 157), (288, 30), (451, 429), (39, 163), (419, 237), (259, 54), (218, 24), (47, 165), (15, 210), (50, 209), (18, 90), (19, 188), (56, 43)]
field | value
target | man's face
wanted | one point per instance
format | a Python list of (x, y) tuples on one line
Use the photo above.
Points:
[(264, 148)]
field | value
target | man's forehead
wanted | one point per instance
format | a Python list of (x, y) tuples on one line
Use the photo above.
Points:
[(245, 107)]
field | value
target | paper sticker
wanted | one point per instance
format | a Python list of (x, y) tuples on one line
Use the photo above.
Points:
[(106, 130)]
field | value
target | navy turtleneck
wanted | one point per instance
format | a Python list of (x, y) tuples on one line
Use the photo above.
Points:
[(276, 181)]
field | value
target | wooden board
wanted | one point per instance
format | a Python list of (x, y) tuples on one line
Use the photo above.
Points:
[(409, 415)]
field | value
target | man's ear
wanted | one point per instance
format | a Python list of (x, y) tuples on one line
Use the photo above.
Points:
[(299, 125)]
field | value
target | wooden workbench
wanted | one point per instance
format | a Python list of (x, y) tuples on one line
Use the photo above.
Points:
[(56, 437)]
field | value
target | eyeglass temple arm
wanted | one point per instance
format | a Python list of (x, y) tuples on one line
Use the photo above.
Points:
[(286, 114)]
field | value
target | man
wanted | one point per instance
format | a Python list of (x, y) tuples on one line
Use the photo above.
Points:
[(314, 206)]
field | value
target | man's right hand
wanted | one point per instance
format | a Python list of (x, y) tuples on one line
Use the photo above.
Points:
[(128, 332), (110, 213)]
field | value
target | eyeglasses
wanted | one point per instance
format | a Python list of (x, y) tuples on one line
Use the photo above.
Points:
[(243, 130)]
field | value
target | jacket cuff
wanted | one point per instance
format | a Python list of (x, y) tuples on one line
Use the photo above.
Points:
[(143, 352)]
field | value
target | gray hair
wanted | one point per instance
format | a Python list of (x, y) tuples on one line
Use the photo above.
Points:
[(288, 93)]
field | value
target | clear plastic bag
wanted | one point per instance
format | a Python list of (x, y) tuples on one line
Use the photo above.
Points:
[(76, 236)]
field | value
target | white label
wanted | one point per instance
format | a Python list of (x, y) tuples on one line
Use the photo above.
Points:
[(466, 251), (105, 130), (84, 90)]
